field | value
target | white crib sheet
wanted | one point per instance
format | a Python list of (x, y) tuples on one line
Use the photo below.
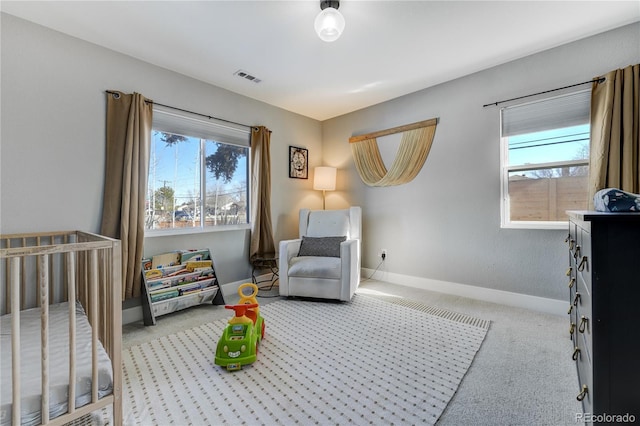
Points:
[(58, 364)]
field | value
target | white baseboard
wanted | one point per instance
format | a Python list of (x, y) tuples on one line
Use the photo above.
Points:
[(134, 314), (232, 288), (131, 315), (535, 303)]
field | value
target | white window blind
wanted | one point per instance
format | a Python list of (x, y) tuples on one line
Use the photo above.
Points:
[(561, 111), (181, 124)]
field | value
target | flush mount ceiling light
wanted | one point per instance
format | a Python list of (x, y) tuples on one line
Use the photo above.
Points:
[(329, 23)]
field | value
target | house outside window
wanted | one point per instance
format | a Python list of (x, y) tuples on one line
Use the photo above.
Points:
[(198, 175), (544, 161)]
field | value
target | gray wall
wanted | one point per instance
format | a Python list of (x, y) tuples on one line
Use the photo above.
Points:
[(445, 225), (53, 136)]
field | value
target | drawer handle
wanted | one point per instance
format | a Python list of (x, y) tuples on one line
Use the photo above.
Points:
[(570, 309), (583, 393), (576, 254), (572, 328), (572, 282), (572, 244), (566, 240), (582, 264), (576, 354), (576, 299), (569, 271), (583, 324)]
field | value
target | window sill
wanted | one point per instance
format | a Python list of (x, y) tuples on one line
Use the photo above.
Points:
[(189, 231), (560, 225)]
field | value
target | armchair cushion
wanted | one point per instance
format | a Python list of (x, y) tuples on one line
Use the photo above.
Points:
[(324, 223), (321, 246), (315, 267)]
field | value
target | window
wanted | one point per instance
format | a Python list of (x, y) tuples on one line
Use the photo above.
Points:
[(198, 174), (544, 161)]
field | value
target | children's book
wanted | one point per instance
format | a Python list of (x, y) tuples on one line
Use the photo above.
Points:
[(165, 260)]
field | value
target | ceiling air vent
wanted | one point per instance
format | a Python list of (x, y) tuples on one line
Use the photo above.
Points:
[(247, 76)]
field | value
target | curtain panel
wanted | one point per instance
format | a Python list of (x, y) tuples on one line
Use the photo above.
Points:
[(261, 226), (615, 132), (128, 137)]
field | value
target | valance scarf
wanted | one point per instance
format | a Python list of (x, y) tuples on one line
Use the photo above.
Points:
[(412, 154)]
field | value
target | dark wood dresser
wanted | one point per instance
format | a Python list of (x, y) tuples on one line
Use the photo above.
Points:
[(604, 312)]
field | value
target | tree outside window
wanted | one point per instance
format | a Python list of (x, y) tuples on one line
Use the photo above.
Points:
[(196, 182)]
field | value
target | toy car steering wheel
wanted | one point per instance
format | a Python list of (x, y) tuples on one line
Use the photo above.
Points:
[(251, 298)]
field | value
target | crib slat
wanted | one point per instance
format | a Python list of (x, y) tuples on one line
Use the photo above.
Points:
[(103, 296), (23, 299), (93, 293), (115, 319), (71, 292), (65, 282), (43, 261), (15, 339), (7, 272), (38, 286), (52, 294)]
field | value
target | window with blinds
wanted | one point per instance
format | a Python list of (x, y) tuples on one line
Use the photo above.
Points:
[(544, 160)]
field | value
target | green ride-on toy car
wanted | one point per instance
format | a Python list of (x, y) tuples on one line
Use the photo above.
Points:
[(239, 342)]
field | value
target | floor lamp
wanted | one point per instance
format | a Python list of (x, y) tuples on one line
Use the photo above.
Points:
[(324, 179)]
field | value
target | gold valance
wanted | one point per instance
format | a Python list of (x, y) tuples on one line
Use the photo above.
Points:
[(412, 154)]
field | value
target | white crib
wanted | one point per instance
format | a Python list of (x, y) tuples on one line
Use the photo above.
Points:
[(61, 356)]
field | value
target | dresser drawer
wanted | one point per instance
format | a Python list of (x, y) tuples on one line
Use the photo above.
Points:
[(585, 378), (572, 241), (571, 274), (583, 259), (585, 372), (573, 318), (583, 317), (584, 341)]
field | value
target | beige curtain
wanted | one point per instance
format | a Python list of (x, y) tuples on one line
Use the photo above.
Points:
[(261, 227), (412, 153), (615, 132), (129, 120)]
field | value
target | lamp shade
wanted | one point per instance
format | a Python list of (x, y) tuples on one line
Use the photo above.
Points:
[(324, 178), (329, 24)]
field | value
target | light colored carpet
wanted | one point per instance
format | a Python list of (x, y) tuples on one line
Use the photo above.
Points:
[(367, 362), (522, 375)]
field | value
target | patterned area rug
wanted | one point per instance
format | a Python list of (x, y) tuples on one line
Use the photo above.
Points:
[(365, 362)]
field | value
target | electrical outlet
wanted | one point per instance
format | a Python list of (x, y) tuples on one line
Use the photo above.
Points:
[(383, 254)]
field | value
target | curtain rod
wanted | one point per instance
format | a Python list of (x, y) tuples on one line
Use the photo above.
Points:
[(399, 129), (595, 80), (149, 101)]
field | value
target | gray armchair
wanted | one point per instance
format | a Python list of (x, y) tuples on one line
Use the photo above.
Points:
[(325, 261)]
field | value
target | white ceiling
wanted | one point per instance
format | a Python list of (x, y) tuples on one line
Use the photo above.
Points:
[(388, 48)]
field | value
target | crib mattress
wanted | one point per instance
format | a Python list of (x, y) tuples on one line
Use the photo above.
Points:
[(58, 364)]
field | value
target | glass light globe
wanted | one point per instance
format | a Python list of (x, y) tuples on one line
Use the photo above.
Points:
[(329, 24)]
